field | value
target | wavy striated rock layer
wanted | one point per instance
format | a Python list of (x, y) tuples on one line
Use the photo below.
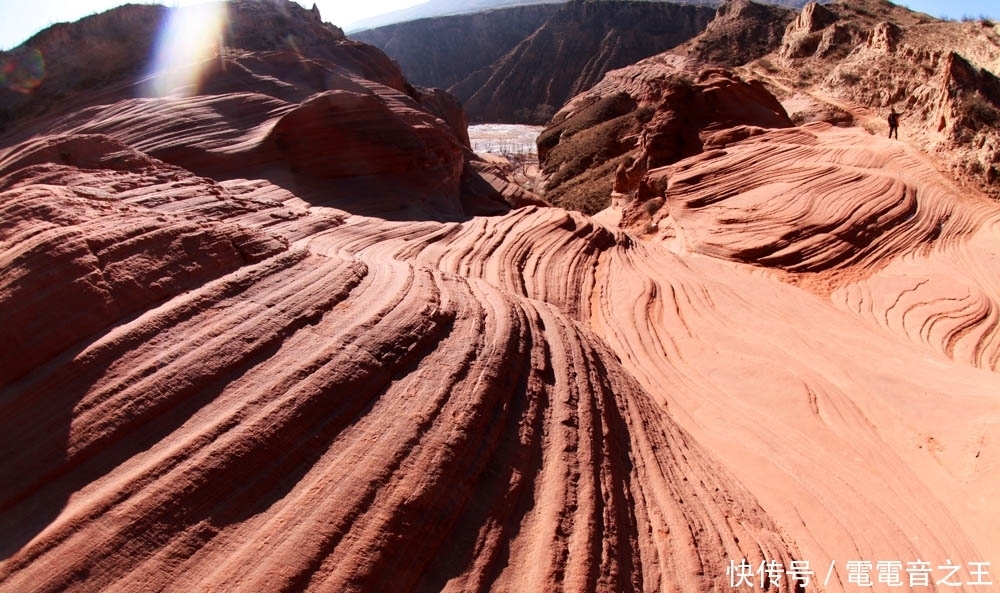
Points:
[(887, 369), (331, 415), (232, 367), (864, 443), (811, 199), (525, 402)]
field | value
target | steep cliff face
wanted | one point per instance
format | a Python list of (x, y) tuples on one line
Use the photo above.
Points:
[(441, 51), (571, 52)]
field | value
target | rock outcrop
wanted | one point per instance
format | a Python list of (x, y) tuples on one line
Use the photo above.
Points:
[(380, 137), (968, 115), (742, 31), (643, 117)]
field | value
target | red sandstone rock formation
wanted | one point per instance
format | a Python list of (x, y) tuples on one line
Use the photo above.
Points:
[(237, 378), (418, 404), (209, 390), (645, 116)]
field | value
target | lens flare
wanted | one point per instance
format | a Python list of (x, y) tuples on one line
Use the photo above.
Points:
[(22, 70), (188, 42)]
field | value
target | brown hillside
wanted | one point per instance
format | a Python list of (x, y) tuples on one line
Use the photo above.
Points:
[(864, 58), (571, 52), (442, 51), (642, 117), (740, 32)]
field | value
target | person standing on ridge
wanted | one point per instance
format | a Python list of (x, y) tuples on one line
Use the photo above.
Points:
[(893, 122)]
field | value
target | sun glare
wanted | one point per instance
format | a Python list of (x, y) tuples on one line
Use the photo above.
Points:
[(190, 38)]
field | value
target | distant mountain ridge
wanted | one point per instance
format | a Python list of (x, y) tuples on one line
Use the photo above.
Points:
[(437, 8), (440, 52), (530, 78), (572, 52)]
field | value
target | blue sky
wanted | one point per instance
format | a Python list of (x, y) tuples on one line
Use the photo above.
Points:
[(21, 20), (955, 9)]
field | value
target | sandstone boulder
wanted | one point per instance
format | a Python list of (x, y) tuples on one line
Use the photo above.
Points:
[(341, 134)]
